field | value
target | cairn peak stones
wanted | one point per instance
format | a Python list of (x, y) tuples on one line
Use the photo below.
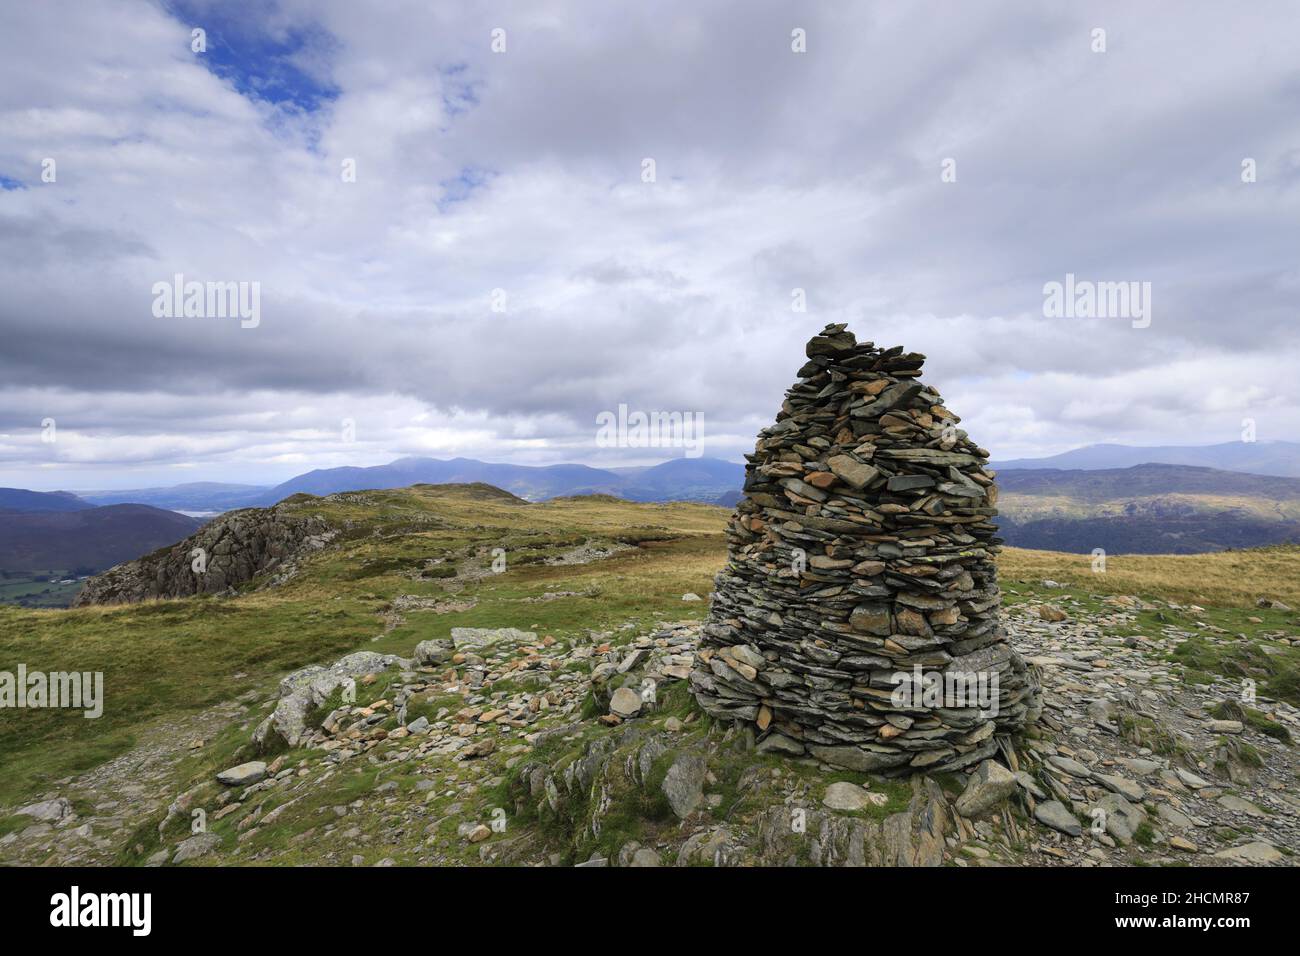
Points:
[(857, 617)]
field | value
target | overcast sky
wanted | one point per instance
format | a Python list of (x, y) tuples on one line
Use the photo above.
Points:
[(523, 171)]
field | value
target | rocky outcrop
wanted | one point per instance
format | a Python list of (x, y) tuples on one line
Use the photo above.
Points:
[(310, 687), (227, 552), (911, 837), (857, 617)]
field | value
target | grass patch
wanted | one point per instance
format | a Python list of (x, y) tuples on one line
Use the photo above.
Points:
[(1254, 719)]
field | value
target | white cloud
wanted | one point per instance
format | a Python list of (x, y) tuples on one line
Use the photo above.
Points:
[(521, 172)]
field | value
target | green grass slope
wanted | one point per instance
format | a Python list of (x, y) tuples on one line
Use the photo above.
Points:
[(166, 659), (410, 564)]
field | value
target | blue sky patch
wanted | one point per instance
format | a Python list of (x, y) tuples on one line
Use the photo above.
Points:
[(273, 67), (464, 184), (459, 92)]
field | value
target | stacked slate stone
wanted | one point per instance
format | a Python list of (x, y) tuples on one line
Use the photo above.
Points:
[(862, 556)]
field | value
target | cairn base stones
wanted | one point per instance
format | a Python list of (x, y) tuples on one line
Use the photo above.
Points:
[(856, 620)]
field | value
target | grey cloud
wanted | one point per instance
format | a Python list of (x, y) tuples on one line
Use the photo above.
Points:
[(776, 170)]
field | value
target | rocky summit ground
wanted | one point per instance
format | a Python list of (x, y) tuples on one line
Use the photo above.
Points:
[(499, 718)]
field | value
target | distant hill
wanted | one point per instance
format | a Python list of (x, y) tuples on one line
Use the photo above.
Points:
[(685, 479), (1149, 534), (532, 483), (1108, 484), (193, 496), (1260, 458), (1146, 509), (682, 479), (88, 539), (729, 499), (19, 499)]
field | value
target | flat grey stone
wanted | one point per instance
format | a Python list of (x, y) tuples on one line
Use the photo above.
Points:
[(1122, 818), (49, 811), (1140, 766), (1054, 814), (196, 846), (775, 743), (1127, 789), (1190, 779), (1237, 805), (845, 796), (625, 702), (418, 726), (855, 758), (1069, 765), (1257, 853), (244, 775)]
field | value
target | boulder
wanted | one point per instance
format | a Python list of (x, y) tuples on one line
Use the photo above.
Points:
[(625, 702), (842, 795), (431, 653), (309, 688), (201, 844), (48, 811), (243, 775), (989, 786), (684, 784)]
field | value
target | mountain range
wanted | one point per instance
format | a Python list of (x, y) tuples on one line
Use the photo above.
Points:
[(200, 496), (1146, 509), (20, 499), (1260, 458), (689, 479), (1141, 508), (680, 479)]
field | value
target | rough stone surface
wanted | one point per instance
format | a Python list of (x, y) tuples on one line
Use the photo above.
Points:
[(236, 547), (48, 811), (430, 653), (243, 775), (625, 702), (988, 787), (861, 558), (310, 687), (1122, 818), (200, 844), (1255, 853), (684, 784), (1054, 814), (846, 796), (482, 636)]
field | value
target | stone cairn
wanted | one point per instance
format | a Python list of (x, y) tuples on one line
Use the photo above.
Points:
[(860, 559)]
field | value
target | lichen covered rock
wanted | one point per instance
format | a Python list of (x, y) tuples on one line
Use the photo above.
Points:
[(228, 551)]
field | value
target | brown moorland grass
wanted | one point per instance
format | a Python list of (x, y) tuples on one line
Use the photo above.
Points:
[(1222, 579)]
